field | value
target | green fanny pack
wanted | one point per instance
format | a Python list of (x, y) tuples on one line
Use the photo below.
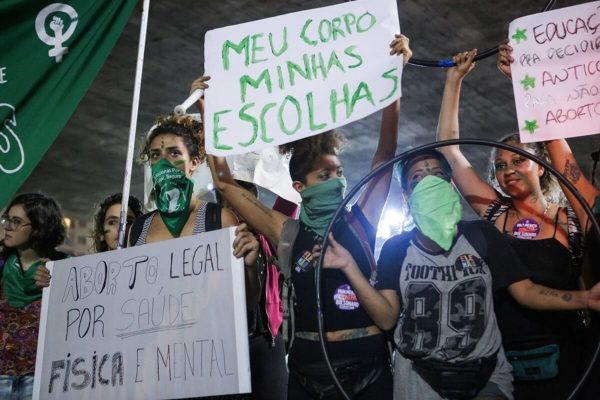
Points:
[(537, 364)]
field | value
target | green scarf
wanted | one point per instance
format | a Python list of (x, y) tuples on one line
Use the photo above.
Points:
[(436, 210), (18, 285), (319, 202), (173, 194)]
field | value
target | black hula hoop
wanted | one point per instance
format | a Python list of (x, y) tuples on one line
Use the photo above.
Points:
[(407, 154), (447, 62)]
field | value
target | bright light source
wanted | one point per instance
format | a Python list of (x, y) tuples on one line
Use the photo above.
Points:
[(210, 187), (67, 222), (391, 223)]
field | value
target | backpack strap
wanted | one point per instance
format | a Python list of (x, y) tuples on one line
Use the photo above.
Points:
[(212, 220), (137, 227), (576, 242), (289, 232), (358, 230)]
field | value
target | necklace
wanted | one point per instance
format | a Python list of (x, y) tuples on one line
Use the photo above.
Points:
[(546, 209)]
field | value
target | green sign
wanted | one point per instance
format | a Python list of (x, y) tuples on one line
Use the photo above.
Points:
[(50, 54)]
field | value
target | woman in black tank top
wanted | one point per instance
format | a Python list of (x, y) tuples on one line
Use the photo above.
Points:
[(355, 343), (180, 141), (521, 202)]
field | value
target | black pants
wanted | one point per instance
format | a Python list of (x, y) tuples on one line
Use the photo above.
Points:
[(268, 369), (380, 389)]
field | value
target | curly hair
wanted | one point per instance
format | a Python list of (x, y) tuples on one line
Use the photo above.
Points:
[(134, 204), (306, 152), (548, 182), (185, 127), (47, 228)]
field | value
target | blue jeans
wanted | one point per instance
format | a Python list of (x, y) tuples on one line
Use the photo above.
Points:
[(16, 387)]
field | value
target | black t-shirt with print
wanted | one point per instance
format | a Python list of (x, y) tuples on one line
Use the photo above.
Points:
[(505, 266), (341, 309)]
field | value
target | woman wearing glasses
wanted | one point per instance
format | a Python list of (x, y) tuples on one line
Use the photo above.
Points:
[(32, 228)]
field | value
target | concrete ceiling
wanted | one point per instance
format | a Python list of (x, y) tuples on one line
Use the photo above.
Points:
[(87, 160)]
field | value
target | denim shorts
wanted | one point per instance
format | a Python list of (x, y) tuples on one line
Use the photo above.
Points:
[(16, 387)]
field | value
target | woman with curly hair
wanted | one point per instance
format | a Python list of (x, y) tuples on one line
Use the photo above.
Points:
[(33, 228), (356, 345), (522, 201), (106, 221), (174, 148)]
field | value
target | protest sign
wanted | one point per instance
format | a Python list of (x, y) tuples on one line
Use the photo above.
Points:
[(161, 321), (556, 73), (284, 78)]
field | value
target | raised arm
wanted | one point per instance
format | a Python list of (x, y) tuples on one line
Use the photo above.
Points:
[(563, 160), (373, 198), (560, 153), (263, 219), (474, 189)]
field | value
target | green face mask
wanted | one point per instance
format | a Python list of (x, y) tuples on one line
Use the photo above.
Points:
[(319, 202), (173, 194), (436, 210)]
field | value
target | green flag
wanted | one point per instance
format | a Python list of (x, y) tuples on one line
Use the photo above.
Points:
[(49, 55)]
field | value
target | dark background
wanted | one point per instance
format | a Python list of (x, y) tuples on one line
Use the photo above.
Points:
[(87, 160)]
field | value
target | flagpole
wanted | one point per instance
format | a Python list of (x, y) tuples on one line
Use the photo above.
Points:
[(133, 124)]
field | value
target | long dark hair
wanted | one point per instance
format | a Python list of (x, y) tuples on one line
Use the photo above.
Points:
[(134, 204), (306, 152), (47, 228)]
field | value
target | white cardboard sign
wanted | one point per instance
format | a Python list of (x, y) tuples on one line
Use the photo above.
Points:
[(161, 321), (284, 78), (556, 73)]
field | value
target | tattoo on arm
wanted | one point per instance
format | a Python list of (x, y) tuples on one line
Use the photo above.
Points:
[(256, 203), (554, 293), (572, 172)]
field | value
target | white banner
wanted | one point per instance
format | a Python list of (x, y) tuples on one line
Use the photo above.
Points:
[(284, 78), (556, 73), (266, 168), (161, 321)]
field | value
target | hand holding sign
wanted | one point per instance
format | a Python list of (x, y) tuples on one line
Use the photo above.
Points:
[(200, 85), (556, 74), (400, 45), (304, 74), (505, 58), (245, 245)]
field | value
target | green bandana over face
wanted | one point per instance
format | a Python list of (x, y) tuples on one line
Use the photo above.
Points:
[(173, 194), (435, 208), (18, 285), (319, 202)]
